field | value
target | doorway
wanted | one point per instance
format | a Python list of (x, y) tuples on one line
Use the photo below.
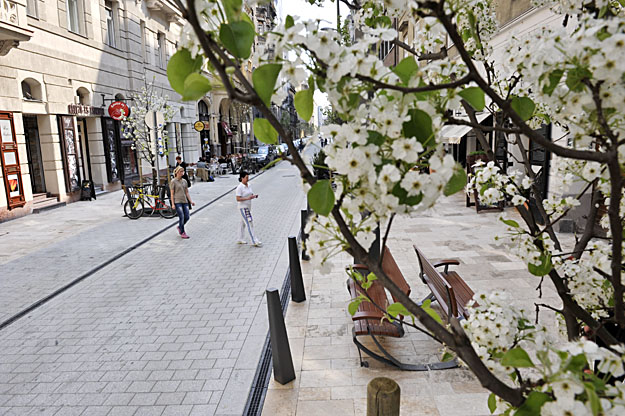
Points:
[(35, 160)]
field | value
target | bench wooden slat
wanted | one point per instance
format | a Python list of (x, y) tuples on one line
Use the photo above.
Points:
[(390, 267), (368, 310), (440, 288), (383, 328), (463, 292)]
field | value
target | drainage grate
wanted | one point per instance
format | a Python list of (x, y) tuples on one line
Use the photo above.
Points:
[(256, 398)]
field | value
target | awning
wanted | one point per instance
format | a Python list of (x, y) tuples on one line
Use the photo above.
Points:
[(226, 128), (454, 133)]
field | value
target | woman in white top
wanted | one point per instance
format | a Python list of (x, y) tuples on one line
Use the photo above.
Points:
[(244, 196)]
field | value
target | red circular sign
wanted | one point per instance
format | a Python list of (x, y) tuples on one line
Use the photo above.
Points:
[(118, 109)]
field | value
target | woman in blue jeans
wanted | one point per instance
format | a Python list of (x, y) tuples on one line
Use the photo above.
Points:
[(180, 199)]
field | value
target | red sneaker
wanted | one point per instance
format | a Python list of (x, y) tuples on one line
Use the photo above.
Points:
[(184, 235)]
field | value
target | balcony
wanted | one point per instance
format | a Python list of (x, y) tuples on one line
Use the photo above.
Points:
[(167, 7), (12, 25)]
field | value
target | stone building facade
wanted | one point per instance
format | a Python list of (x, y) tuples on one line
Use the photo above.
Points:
[(62, 64)]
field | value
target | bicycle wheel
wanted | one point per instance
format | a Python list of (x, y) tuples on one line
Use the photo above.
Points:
[(133, 210), (164, 207)]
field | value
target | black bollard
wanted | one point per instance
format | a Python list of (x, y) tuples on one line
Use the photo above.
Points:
[(297, 283), (283, 371), (304, 214)]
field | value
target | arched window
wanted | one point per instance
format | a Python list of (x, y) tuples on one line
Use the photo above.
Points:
[(31, 90), (84, 98), (202, 108)]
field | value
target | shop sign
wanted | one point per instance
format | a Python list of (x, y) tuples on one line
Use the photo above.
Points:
[(198, 125), (84, 110), (118, 110), (10, 163)]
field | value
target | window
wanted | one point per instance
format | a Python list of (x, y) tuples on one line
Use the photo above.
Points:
[(31, 8), (31, 90), (160, 48), (109, 37), (73, 16), (144, 46)]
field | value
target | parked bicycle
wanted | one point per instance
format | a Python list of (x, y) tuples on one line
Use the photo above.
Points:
[(138, 196)]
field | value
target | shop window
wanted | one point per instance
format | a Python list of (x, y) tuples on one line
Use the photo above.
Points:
[(111, 25), (10, 162), (31, 90), (31, 8), (75, 16)]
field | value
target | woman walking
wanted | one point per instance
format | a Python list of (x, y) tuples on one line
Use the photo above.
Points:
[(244, 196), (180, 199)]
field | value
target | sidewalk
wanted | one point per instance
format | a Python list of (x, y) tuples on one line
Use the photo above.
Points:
[(329, 377)]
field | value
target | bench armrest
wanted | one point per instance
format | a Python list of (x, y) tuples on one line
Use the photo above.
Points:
[(446, 263)]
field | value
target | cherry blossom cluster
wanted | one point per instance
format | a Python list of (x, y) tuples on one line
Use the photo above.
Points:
[(519, 350)]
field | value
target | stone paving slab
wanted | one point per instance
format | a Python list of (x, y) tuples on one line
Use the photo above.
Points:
[(329, 377), (172, 328), (40, 253)]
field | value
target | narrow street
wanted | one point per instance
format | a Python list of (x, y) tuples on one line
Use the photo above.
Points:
[(172, 327)]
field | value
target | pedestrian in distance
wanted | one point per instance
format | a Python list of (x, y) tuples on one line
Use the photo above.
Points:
[(180, 199), (244, 195), (184, 165)]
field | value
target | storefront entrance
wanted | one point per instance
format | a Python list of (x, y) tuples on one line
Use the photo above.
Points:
[(121, 157), (35, 160)]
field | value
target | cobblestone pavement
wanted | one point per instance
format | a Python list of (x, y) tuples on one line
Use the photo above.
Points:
[(330, 380), (40, 253), (173, 328)]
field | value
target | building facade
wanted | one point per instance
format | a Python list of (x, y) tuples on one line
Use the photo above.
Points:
[(62, 64)]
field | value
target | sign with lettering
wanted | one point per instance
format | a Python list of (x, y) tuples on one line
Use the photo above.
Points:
[(118, 110), (84, 110), (198, 126)]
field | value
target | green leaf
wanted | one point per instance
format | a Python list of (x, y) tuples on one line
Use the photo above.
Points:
[(575, 77), (264, 79), (543, 268), (511, 223), (524, 107), (554, 79), (531, 406), (289, 22), (237, 37), (474, 96), (595, 405), (577, 363), (321, 197), (516, 357), (195, 87), (447, 356), (402, 194), (419, 126), (264, 131), (405, 69), (492, 403), (428, 309), (180, 66), (397, 309), (304, 103), (457, 181), (232, 9), (353, 306), (375, 138)]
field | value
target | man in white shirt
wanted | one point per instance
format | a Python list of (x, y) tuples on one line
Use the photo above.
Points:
[(244, 195)]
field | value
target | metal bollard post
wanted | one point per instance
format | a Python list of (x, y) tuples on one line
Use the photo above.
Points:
[(304, 219), (297, 283), (383, 396), (283, 371)]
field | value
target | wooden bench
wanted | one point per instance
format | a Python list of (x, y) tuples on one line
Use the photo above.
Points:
[(368, 319), (447, 288)]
